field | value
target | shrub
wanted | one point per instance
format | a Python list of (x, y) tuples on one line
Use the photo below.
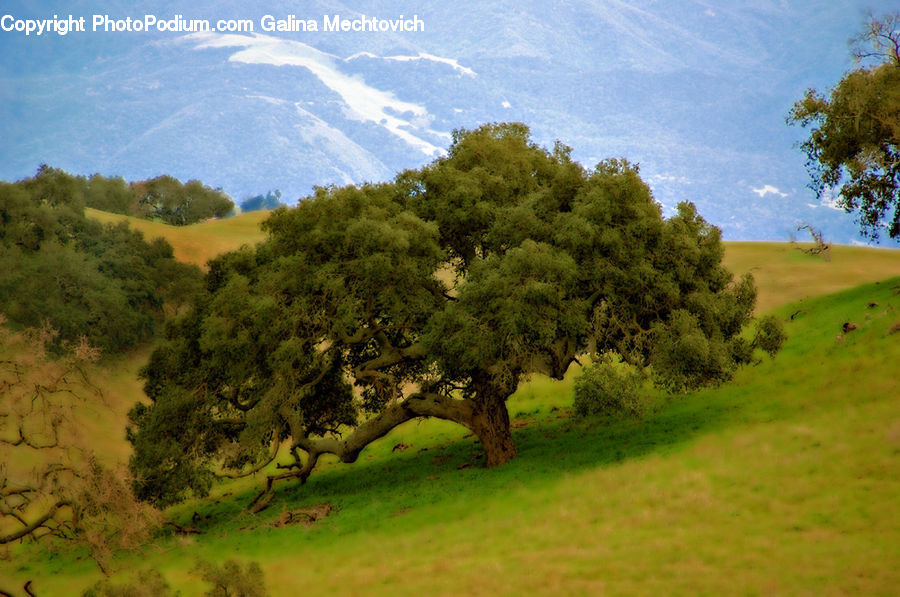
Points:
[(148, 584), (232, 579), (610, 387)]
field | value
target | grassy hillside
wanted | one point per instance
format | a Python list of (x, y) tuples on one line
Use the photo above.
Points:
[(197, 243), (783, 481), (783, 273)]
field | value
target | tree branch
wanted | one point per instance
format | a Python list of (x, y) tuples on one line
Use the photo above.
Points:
[(36, 524), (419, 404), (254, 469)]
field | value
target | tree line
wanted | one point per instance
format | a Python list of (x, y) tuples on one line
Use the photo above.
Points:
[(164, 198), (61, 269)]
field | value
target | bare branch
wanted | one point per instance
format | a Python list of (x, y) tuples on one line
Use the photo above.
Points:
[(36, 524)]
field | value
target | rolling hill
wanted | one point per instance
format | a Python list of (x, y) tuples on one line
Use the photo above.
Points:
[(782, 481)]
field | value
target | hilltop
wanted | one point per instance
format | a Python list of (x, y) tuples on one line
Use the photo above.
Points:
[(779, 481), (782, 272)]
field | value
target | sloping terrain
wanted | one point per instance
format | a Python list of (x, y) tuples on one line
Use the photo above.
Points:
[(197, 243), (782, 481)]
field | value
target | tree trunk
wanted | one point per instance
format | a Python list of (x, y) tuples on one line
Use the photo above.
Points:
[(490, 423)]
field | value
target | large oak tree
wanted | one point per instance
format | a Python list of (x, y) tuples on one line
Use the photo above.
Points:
[(431, 296)]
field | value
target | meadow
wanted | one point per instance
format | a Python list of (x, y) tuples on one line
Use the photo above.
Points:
[(782, 481)]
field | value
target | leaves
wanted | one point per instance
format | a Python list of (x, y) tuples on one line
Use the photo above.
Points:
[(853, 149), (102, 282), (433, 295)]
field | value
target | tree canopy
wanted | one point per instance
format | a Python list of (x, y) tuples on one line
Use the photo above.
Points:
[(433, 295), (853, 149), (104, 282), (165, 198)]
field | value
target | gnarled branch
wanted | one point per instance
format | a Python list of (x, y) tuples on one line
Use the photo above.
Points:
[(347, 449), (35, 524)]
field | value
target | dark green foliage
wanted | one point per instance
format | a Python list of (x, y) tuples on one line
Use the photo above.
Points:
[(853, 149), (104, 282), (770, 335), (147, 584), (165, 473), (113, 195), (434, 295), (610, 387), (163, 198), (232, 579), (167, 199)]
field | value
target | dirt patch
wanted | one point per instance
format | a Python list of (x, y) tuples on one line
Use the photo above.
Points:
[(440, 459), (307, 515)]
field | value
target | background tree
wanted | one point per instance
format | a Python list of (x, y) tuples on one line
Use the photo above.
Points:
[(431, 296), (854, 144), (113, 195), (84, 278), (167, 199)]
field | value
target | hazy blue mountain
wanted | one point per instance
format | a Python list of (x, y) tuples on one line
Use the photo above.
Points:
[(696, 92)]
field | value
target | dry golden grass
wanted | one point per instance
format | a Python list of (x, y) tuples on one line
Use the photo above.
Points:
[(197, 243), (785, 274)]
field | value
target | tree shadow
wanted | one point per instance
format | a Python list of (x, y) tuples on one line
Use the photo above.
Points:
[(552, 444)]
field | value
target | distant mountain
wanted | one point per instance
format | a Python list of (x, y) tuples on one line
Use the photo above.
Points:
[(696, 92)]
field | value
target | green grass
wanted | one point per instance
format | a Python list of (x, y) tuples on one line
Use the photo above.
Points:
[(783, 481), (780, 482)]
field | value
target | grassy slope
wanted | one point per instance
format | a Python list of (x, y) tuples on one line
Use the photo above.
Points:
[(197, 243), (783, 274), (783, 481), (779, 482)]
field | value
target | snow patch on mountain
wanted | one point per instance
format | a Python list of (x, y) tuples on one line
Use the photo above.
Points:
[(421, 56), (364, 103)]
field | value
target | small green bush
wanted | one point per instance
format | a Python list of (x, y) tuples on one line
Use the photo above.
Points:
[(610, 387), (232, 579), (149, 583)]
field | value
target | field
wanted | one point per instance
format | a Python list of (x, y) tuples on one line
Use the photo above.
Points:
[(197, 243), (783, 273), (783, 481)]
